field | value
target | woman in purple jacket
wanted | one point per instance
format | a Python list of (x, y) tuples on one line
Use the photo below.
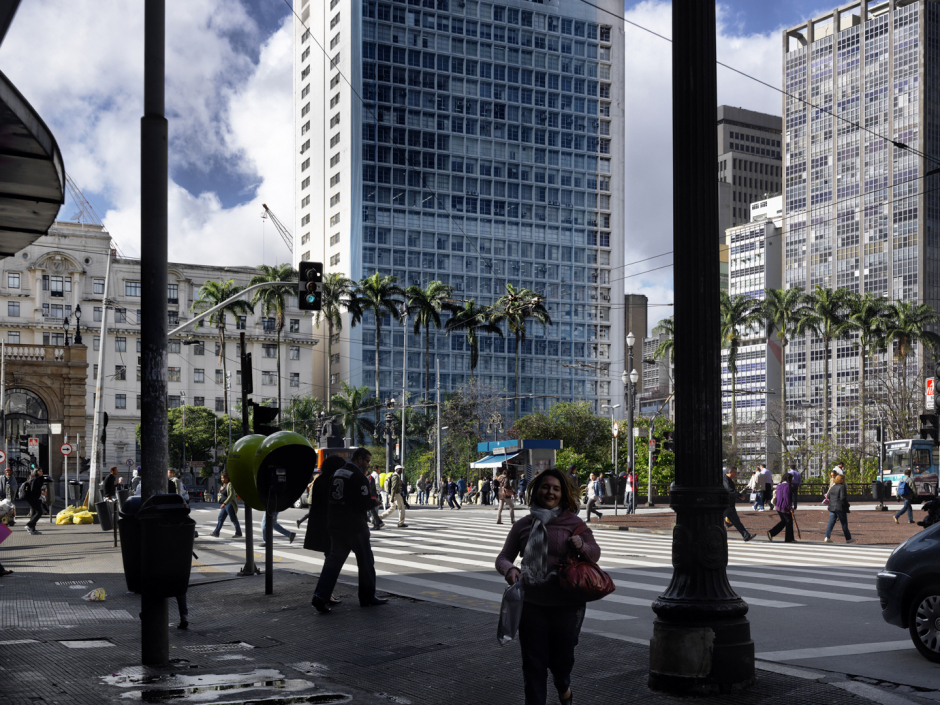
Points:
[(551, 617), (784, 506)]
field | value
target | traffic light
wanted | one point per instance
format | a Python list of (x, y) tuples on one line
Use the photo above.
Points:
[(262, 416), (928, 427), (247, 379), (669, 441), (654, 451), (32, 463), (104, 426), (308, 286), (86, 464), (24, 444)]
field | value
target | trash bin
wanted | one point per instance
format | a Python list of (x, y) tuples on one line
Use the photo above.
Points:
[(104, 511), (877, 490), (887, 489), (76, 491), (122, 496), (157, 539)]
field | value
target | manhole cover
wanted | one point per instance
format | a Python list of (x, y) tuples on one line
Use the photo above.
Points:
[(217, 648), (74, 582), (86, 644)]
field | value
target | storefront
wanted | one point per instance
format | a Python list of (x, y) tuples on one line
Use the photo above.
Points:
[(525, 458)]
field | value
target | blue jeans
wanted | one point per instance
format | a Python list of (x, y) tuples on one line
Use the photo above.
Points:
[(277, 527), (759, 503), (906, 508), (843, 519), (341, 544), (228, 511)]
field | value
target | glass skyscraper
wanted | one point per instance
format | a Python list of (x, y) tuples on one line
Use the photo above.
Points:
[(477, 144)]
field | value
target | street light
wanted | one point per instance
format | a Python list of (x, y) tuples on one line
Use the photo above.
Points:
[(629, 391), (78, 325), (183, 405), (65, 325)]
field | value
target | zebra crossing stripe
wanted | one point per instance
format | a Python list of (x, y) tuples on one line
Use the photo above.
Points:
[(799, 579)]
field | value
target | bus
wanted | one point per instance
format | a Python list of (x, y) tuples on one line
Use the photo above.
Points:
[(918, 455), (324, 453)]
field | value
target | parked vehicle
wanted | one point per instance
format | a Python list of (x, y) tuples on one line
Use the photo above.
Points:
[(909, 588), (918, 455)]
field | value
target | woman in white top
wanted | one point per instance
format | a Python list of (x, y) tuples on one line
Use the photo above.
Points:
[(757, 484)]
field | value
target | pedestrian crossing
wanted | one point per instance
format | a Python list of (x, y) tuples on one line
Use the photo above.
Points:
[(449, 556)]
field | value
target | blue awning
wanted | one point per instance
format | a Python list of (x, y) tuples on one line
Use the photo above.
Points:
[(492, 461)]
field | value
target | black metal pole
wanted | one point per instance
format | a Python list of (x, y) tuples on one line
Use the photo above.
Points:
[(155, 645), (250, 567), (269, 544), (701, 638)]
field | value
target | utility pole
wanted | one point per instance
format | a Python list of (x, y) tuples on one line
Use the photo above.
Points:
[(404, 379), (250, 567), (155, 645), (96, 423), (701, 637), (437, 385)]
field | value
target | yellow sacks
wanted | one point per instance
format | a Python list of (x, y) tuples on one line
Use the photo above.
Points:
[(84, 517), (65, 516)]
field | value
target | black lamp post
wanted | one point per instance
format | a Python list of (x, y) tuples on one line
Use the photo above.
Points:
[(65, 326), (701, 637), (78, 325)]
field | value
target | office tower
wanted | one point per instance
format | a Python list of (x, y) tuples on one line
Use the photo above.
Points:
[(478, 144), (748, 159), (658, 385), (861, 108), (635, 321)]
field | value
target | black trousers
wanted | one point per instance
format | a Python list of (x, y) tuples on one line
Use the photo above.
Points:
[(732, 514), (342, 543), (786, 522), (35, 513), (486, 498), (547, 636)]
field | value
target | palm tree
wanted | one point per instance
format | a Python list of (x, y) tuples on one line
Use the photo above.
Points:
[(738, 315), (213, 293), (825, 316), (516, 307), (783, 312), (273, 300), (352, 404), (908, 322), (303, 414), (377, 294), (667, 346), (867, 317), (425, 305), (473, 320), (337, 293)]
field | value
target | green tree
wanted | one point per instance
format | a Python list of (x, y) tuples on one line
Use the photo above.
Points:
[(667, 346), (516, 307), (825, 316), (738, 316), (783, 312), (908, 325), (337, 294), (199, 436), (573, 423), (213, 293), (351, 405), (867, 317), (472, 320), (302, 414), (378, 294), (273, 301), (425, 306)]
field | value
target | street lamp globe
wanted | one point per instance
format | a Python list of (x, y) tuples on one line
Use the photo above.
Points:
[(624, 377), (631, 339), (634, 375)]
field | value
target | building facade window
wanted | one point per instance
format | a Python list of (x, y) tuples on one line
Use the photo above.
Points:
[(268, 378), (199, 401), (120, 344), (13, 309), (294, 325), (98, 286), (13, 280), (295, 379), (120, 401), (173, 374), (294, 352), (220, 405), (132, 289), (199, 375), (172, 293), (269, 350), (13, 337), (120, 372)]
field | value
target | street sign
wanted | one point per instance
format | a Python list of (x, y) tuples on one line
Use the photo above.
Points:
[(929, 403), (195, 463), (3, 457), (33, 445), (55, 429), (616, 429), (66, 449), (652, 442), (38, 428), (129, 462)]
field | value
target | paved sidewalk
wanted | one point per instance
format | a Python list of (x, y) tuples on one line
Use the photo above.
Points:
[(244, 646)]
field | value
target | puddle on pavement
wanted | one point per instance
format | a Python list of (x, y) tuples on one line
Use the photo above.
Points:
[(135, 676), (207, 692)]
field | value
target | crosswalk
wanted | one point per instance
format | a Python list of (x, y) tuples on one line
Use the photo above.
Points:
[(449, 556)]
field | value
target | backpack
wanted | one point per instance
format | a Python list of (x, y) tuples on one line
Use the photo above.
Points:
[(903, 488), (21, 493)]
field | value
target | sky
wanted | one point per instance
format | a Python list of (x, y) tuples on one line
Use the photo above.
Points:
[(229, 106)]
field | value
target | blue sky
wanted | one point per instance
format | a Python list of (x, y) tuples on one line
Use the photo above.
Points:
[(229, 83)]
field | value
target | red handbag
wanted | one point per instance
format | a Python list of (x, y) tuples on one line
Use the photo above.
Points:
[(582, 577)]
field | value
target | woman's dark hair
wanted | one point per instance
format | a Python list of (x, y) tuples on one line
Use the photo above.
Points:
[(332, 464), (569, 497)]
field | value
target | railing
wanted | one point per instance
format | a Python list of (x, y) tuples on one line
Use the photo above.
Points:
[(35, 353)]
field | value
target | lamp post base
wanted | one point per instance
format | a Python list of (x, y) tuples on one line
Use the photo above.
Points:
[(701, 658)]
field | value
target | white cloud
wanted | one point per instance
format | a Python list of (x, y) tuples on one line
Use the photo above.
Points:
[(228, 107), (649, 200)]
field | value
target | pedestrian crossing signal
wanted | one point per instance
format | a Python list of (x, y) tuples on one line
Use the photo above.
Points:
[(928, 427), (262, 417), (669, 441), (309, 284)]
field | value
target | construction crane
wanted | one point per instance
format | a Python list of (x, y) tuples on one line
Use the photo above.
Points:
[(86, 214), (286, 235)]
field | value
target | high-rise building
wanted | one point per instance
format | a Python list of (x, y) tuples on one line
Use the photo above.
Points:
[(862, 107), (749, 159), (477, 144), (635, 321)]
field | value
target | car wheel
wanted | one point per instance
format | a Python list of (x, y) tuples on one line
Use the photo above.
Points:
[(924, 623)]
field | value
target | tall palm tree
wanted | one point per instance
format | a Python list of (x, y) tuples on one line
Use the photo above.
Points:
[(211, 294), (303, 415), (472, 320), (425, 305), (516, 307), (667, 346), (825, 316), (337, 293), (273, 300), (352, 405), (378, 295), (783, 312), (738, 315), (867, 316), (907, 326)]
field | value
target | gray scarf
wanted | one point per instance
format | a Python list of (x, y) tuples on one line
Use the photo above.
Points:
[(535, 558)]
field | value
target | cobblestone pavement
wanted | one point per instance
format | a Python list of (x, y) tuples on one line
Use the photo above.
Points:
[(243, 646)]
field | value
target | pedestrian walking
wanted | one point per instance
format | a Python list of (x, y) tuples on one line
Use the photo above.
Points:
[(485, 490), (452, 489), (592, 497), (573, 479), (383, 489), (397, 500), (461, 489), (906, 493), (317, 537), (731, 513), (110, 484), (551, 618), (523, 483), (838, 507), (377, 522), (422, 490), (505, 499), (756, 486), (784, 509), (349, 532), (229, 502), (8, 488), (629, 498), (796, 479), (768, 485), (32, 493), (291, 535)]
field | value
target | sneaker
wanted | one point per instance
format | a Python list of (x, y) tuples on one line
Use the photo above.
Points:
[(298, 522), (748, 537), (827, 540), (320, 604), (238, 535), (402, 526), (770, 536), (896, 520), (293, 535), (851, 540), (214, 534)]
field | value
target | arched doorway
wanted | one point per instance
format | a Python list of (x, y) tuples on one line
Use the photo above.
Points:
[(23, 409)]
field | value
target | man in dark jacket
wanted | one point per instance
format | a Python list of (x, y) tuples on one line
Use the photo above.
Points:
[(452, 493), (350, 499), (485, 491), (110, 483), (731, 513), (377, 522), (33, 496)]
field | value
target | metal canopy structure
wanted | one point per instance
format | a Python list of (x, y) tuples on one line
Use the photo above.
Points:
[(492, 461), (32, 176)]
